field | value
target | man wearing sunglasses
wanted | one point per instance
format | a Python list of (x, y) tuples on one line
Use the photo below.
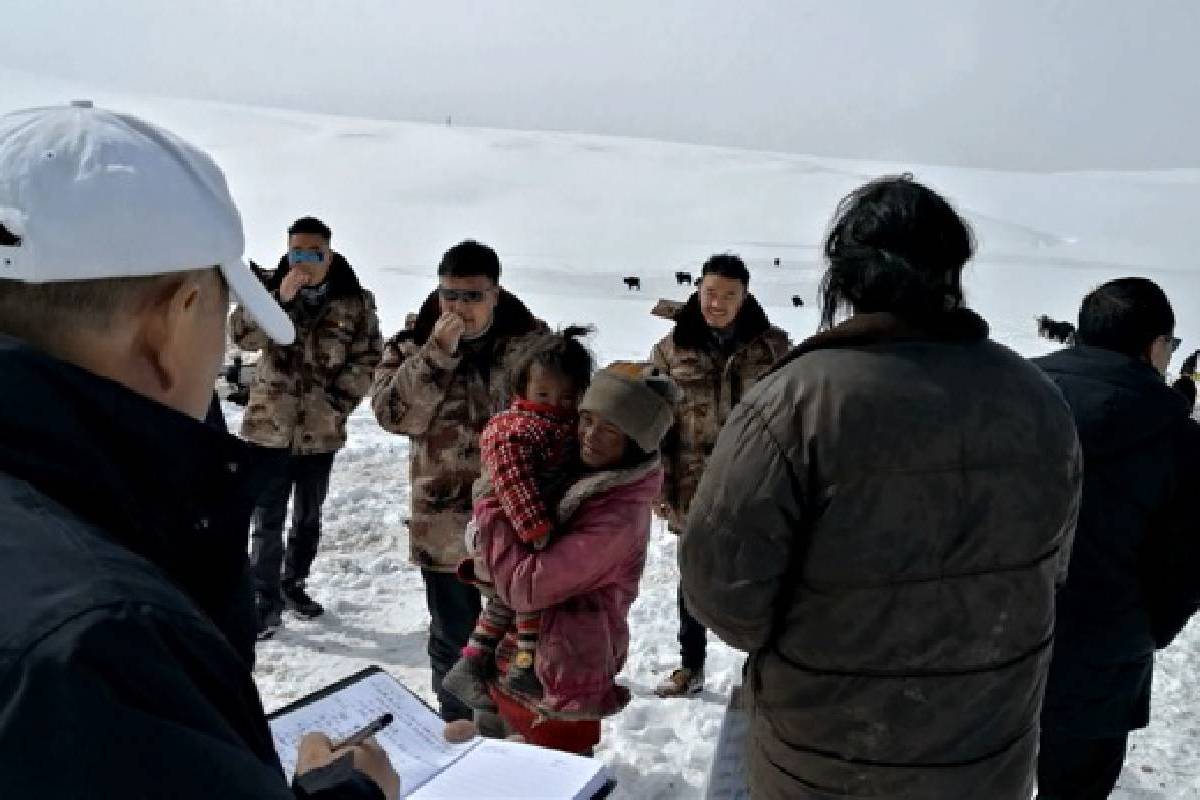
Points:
[(1133, 580), (439, 383), (299, 402)]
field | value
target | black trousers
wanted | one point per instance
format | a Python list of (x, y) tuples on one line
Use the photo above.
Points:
[(1079, 769), (454, 607), (307, 478), (693, 640)]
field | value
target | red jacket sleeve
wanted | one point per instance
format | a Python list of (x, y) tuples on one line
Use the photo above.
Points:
[(509, 448), (599, 539)]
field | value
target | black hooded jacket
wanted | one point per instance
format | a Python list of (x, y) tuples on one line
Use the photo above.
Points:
[(127, 638), (1134, 576)]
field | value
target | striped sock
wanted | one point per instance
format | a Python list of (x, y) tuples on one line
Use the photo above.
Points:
[(489, 629), (529, 628)]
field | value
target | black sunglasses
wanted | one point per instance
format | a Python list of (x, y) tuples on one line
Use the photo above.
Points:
[(464, 295), (1175, 342)]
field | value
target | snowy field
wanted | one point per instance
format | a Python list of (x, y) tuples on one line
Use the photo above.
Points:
[(571, 214)]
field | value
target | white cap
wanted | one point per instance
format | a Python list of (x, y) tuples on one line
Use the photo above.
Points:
[(92, 194)]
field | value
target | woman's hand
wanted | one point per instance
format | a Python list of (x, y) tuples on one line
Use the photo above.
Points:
[(464, 730)]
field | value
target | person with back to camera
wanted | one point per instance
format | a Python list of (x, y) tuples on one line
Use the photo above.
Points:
[(1133, 581), (882, 526), (127, 642)]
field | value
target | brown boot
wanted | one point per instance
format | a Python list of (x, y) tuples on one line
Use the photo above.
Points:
[(683, 682)]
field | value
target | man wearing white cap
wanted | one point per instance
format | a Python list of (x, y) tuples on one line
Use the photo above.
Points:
[(127, 636)]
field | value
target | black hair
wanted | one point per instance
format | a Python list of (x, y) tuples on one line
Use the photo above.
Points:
[(560, 352), (727, 265), (1126, 316), (470, 259), (311, 225), (895, 245)]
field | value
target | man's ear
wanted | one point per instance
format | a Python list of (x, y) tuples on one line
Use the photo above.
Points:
[(161, 339)]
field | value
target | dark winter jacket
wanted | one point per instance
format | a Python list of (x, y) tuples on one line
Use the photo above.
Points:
[(1134, 577), (882, 525), (304, 392), (127, 638), (712, 378), (442, 402)]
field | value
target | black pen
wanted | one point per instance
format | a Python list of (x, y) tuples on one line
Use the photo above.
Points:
[(364, 733)]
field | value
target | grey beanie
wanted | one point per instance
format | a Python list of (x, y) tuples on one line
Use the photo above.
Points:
[(637, 398)]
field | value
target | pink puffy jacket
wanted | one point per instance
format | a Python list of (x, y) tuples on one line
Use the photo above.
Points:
[(583, 582)]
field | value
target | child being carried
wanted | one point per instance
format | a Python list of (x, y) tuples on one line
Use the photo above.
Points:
[(530, 457)]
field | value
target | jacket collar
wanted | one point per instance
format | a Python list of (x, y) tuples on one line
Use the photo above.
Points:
[(511, 318), (158, 483), (693, 333), (595, 484), (556, 413), (1117, 401), (962, 326)]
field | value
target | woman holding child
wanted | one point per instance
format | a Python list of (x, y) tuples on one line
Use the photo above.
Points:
[(578, 581)]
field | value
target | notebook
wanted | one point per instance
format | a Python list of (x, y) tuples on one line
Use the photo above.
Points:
[(431, 768)]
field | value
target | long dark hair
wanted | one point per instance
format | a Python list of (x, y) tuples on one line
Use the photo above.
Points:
[(894, 245)]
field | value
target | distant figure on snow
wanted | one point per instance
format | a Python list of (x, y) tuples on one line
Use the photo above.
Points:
[(1061, 332), (299, 402), (797, 301), (633, 282), (683, 278), (1133, 581), (883, 531), (721, 344), (1185, 384)]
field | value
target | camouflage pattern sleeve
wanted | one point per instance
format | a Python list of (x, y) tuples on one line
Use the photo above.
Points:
[(669, 449), (245, 332), (410, 384), (362, 355)]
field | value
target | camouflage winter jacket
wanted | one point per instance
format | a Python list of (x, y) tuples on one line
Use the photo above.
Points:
[(882, 527), (713, 380), (303, 393), (442, 403)]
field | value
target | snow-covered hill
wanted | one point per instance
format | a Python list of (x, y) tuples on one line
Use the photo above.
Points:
[(570, 215)]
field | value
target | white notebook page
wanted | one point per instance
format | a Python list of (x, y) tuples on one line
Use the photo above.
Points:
[(413, 741), (499, 770)]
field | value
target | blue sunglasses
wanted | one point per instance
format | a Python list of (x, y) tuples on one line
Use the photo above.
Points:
[(301, 256)]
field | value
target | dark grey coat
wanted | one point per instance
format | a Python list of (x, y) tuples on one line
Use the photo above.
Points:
[(882, 526)]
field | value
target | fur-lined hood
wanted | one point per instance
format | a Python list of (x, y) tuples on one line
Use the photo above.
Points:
[(597, 483)]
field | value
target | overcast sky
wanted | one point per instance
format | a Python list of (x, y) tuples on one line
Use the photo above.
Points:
[(1036, 84)]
